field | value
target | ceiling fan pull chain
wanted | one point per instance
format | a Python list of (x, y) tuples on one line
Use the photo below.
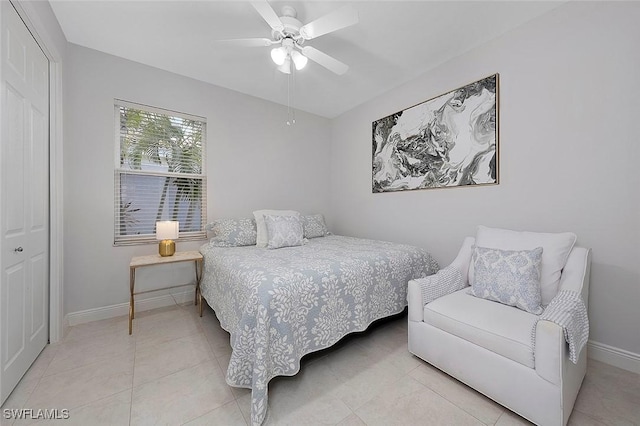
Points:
[(289, 99), (291, 112), (293, 95)]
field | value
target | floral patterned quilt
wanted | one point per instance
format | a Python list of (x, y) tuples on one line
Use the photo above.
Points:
[(279, 305)]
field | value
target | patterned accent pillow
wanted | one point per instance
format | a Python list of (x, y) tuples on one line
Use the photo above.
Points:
[(233, 232), (283, 231), (555, 252), (261, 239), (511, 277), (314, 226), (445, 281)]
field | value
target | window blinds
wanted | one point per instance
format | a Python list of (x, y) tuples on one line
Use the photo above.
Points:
[(159, 173)]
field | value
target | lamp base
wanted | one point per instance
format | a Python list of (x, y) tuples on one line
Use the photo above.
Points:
[(166, 248)]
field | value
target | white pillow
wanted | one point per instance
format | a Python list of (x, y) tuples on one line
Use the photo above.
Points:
[(262, 237), (555, 251)]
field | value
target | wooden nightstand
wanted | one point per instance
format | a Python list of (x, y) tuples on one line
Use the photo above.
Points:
[(140, 261)]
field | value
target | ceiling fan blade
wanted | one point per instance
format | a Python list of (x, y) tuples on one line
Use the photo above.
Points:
[(268, 14), (336, 20), (247, 42), (325, 60)]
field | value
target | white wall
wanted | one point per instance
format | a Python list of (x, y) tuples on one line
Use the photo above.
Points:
[(569, 154), (43, 19), (254, 160)]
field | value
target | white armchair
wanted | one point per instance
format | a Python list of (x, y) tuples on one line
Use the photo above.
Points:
[(488, 345)]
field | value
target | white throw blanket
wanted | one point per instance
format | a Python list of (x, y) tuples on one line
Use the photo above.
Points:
[(444, 282), (569, 312)]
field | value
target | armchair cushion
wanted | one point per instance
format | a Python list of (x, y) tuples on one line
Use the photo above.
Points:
[(556, 248), (444, 282), (511, 277), (496, 327)]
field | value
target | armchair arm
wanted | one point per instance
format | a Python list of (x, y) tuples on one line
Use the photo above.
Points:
[(414, 290), (414, 300), (463, 259), (551, 350), (576, 273), (443, 282)]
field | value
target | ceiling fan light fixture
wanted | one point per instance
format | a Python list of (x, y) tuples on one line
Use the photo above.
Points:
[(299, 60), (285, 67), (278, 55), (289, 33)]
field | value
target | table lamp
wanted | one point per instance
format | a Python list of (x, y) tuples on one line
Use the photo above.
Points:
[(166, 232)]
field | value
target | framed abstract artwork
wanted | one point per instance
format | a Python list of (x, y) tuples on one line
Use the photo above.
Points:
[(448, 141)]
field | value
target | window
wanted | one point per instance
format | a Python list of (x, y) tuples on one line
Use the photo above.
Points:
[(159, 173)]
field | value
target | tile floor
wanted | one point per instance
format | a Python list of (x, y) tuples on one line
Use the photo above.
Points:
[(171, 371)]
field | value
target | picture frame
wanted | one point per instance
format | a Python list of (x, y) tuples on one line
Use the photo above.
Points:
[(450, 140)]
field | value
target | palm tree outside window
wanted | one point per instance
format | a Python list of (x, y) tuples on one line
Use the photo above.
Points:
[(159, 172)]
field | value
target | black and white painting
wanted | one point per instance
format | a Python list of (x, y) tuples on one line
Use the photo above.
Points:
[(447, 141)]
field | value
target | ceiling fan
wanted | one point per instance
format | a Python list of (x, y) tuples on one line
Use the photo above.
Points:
[(290, 35)]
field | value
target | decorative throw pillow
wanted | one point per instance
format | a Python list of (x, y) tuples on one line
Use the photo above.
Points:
[(511, 277), (233, 232), (556, 248), (445, 281), (314, 226), (283, 231), (261, 227)]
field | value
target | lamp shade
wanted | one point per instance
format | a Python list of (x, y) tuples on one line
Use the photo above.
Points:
[(286, 66), (299, 59), (278, 55), (167, 230)]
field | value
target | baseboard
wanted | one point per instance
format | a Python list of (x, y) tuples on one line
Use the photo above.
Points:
[(65, 327), (106, 312), (614, 356)]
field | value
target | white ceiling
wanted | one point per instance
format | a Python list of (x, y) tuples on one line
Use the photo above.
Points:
[(394, 42)]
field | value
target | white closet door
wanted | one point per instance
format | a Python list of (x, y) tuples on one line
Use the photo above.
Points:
[(24, 198)]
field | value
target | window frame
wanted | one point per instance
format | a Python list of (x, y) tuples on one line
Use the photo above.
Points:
[(128, 240)]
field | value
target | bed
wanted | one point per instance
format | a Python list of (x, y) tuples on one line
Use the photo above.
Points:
[(279, 305)]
